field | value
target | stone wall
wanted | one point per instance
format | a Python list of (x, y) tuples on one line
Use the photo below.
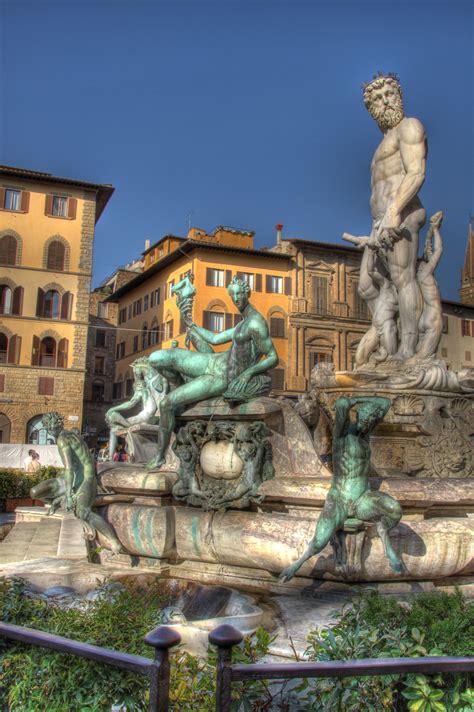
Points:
[(21, 401)]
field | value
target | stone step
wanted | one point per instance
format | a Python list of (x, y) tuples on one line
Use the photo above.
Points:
[(37, 536)]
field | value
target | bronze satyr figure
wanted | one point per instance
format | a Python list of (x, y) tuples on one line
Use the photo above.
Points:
[(350, 500)]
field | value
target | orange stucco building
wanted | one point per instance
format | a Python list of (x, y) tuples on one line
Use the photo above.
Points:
[(149, 318)]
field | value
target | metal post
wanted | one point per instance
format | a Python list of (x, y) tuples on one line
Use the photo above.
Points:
[(162, 639), (224, 637)]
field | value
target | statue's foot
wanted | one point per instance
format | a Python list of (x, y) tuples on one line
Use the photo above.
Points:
[(396, 564), (287, 574), (155, 464)]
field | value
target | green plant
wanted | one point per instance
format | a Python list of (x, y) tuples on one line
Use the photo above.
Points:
[(33, 678), (17, 483), (422, 696)]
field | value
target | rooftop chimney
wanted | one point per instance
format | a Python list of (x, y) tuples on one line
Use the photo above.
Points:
[(279, 228), (147, 244)]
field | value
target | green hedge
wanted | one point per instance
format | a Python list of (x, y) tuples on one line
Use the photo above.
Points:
[(17, 483)]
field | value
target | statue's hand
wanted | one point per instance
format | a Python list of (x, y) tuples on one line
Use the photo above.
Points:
[(239, 384)]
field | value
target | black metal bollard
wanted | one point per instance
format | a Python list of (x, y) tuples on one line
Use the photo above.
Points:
[(224, 637), (162, 639)]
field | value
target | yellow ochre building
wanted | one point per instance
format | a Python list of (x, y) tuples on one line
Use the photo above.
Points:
[(47, 228), (148, 318)]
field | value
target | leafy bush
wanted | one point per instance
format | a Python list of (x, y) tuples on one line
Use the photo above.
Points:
[(34, 679), (377, 627), (17, 483)]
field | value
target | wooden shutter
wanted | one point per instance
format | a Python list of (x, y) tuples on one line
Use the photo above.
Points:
[(2, 197), (72, 208), (65, 307), (258, 282), (8, 248), (35, 353), (287, 285), (62, 353), (56, 256), (237, 318), (228, 277), (14, 349), (206, 319), (17, 303), (171, 326), (228, 321), (320, 294), (182, 325), (268, 283), (277, 327), (45, 386), (40, 302), (278, 378), (2, 382), (24, 201), (240, 275), (48, 206), (209, 276)]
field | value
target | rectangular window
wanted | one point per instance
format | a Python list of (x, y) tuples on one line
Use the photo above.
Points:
[(117, 390), (135, 344), (315, 358), (122, 315), (214, 277), (360, 307), (445, 324), (278, 378), (139, 306), (59, 208), (274, 284), (2, 382), (320, 294), (249, 279), (168, 330), (102, 310), (169, 287), (99, 363), (157, 296), (100, 338), (468, 356), (160, 252), (45, 386), (120, 350), (130, 307), (216, 321), (444, 352), (277, 327), (12, 200), (145, 302), (465, 327)]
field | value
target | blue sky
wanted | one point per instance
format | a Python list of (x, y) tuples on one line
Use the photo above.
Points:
[(246, 113)]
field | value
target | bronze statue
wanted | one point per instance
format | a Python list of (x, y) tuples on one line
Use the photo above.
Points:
[(350, 502), (76, 488), (238, 374)]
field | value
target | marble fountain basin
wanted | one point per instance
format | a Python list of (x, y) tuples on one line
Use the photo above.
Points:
[(198, 609)]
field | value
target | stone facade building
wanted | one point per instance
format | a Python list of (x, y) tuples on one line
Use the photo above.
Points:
[(47, 228), (327, 318)]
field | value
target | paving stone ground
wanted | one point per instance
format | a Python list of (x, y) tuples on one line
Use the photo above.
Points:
[(37, 536)]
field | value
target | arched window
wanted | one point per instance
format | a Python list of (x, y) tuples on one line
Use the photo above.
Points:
[(145, 337), (3, 348), (98, 392), (36, 434), (5, 299), (47, 352), (51, 304), (56, 254), (5, 426), (8, 250)]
